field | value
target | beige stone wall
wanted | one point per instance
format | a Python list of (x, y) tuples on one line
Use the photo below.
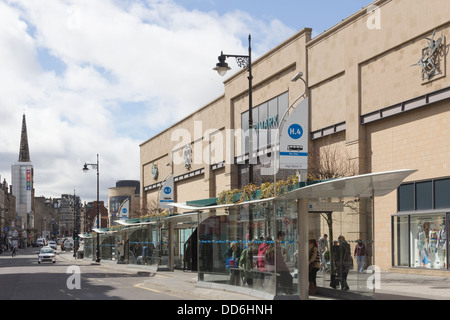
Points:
[(207, 127), (352, 70)]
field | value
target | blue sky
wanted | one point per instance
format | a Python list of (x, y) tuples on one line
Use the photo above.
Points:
[(318, 15), (98, 76)]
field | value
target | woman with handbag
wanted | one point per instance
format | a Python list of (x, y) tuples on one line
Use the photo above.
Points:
[(314, 265)]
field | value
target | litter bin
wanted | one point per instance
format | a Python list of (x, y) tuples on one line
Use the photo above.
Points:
[(80, 254)]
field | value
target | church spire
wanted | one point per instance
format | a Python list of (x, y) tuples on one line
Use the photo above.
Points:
[(24, 152)]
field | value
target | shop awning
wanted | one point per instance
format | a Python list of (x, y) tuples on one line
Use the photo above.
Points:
[(363, 186)]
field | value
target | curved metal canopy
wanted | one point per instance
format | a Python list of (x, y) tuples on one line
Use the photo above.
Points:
[(363, 186)]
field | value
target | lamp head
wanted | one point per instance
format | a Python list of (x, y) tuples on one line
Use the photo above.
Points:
[(222, 67), (297, 76), (85, 168)]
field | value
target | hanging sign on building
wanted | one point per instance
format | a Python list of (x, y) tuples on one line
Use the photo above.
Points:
[(28, 179), (166, 193), (124, 209), (294, 138)]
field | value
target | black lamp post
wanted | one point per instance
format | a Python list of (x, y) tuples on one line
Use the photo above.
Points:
[(86, 169), (243, 61)]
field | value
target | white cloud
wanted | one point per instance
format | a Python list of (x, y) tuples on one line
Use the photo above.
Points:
[(140, 65)]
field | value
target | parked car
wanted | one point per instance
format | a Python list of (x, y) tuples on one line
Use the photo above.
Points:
[(52, 244), (46, 254), (41, 242)]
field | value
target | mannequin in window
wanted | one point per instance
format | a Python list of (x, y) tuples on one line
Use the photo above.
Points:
[(432, 246), (421, 245), (442, 245)]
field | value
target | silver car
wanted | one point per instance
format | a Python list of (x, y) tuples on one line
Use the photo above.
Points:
[(46, 254)]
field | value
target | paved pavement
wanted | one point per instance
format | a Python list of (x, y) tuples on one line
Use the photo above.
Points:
[(393, 286)]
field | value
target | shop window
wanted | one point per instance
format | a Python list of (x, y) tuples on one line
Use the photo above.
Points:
[(442, 193), (428, 241), (406, 197), (266, 118), (400, 244), (424, 196)]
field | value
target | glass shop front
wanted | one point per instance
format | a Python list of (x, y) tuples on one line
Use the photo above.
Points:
[(421, 226)]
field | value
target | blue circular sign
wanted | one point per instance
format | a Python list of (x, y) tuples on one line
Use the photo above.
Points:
[(167, 190), (295, 131), (124, 210)]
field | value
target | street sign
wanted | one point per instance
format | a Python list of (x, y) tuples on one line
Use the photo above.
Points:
[(166, 193), (294, 138)]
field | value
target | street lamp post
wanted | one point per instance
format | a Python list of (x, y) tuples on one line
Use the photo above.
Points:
[(86, 169), (243, 61)]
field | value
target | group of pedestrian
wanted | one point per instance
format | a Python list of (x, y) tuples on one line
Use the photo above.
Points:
[(260, 257), (341, 264)]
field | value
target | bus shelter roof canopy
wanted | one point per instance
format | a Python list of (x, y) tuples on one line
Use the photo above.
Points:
[(362, 186)]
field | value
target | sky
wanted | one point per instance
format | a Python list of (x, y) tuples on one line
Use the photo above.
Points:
[(101, 77)]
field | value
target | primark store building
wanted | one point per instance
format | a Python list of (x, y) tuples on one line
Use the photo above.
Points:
[(352, 125)]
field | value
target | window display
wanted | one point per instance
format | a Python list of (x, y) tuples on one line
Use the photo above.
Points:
[(428, 241)]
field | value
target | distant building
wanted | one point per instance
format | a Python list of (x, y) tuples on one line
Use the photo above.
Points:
[(123, 200), (22, 184), (7, 212), (44, 219), (89, 216), (67, 214)]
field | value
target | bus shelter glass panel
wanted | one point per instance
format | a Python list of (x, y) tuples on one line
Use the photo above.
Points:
[(121, 246), (107, 247), (142, 246), (89, 248), (344, 239), (252, 246), (286, 249), (182, 247)]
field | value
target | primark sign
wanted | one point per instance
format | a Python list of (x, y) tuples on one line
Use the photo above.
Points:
[(275, 129)]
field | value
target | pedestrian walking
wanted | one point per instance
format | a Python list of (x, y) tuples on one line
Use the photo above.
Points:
[(360, 255)]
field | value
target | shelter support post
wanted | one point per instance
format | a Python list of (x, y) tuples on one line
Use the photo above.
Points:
[(171, 247), (302, 227)]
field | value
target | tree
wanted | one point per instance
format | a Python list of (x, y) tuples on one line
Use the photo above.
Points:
[(330, 160)]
